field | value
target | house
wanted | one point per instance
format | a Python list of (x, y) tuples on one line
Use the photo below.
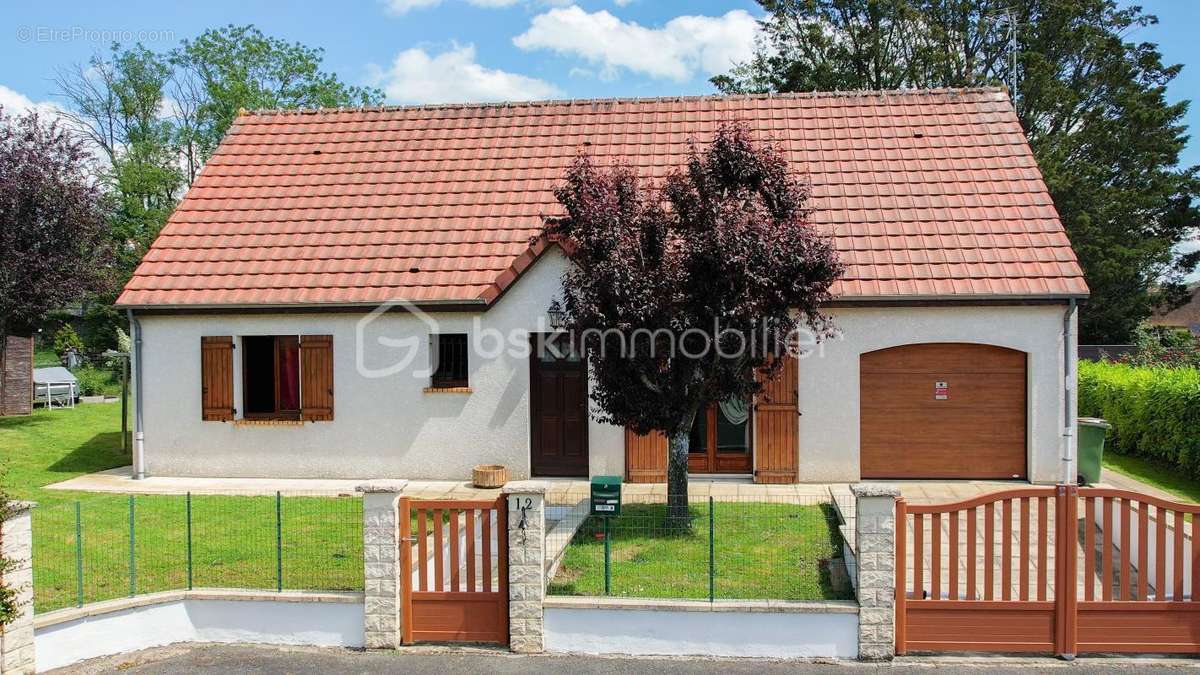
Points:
[(1185, 317), (16, 375), (352, 293)]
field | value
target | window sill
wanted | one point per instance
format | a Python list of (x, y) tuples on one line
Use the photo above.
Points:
[(268, 423), (447, 390)]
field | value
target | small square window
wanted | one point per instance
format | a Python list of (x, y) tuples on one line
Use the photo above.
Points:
[(448, 354)]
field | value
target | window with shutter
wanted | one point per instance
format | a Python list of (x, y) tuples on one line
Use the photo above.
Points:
[(216, 378), (316, 377)]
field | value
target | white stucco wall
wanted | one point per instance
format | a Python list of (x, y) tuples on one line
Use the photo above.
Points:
[(829, 377), (322, 624), (382, 426), (664, 631), (389, 427)]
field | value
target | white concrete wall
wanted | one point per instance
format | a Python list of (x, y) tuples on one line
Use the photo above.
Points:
[(322, 624), (829, 377), (664, 631), (382, 427)]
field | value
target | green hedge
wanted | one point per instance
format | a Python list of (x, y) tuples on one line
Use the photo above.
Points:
[(1154, 410)]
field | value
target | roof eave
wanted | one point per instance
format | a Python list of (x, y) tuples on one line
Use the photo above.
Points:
[(990, 299), (399, 305)]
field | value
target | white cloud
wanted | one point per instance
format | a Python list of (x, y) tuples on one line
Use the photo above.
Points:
[(453, 76), (678, 50), (15, 103), (398, 7)]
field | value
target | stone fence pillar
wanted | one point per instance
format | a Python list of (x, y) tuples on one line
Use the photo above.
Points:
[(875, 532), (526, 565), (16, 638), (381, 563)]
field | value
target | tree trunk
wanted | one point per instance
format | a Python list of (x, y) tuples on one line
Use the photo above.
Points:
[(677, 481)]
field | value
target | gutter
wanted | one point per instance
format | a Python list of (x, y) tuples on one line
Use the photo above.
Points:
[(1069, 422), (397, 305), (139, 455)]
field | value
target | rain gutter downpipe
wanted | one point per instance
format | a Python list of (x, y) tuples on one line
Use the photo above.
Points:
[(1069, 423), (139, 456)]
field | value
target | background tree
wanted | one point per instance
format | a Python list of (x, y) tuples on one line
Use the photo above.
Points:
[(155, 118), (1092, 104), (53, 230), (721, 254), (235, 67)]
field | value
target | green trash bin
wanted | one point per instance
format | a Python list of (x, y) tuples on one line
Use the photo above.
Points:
[(1091, 448)]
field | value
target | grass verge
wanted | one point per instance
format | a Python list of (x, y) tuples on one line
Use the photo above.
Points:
[(234, 540), (760, 550), (1156, 474)]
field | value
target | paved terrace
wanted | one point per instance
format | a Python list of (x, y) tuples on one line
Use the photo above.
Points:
[(561, 491)]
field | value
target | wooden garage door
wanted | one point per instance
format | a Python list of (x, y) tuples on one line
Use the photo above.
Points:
[(972, 427)]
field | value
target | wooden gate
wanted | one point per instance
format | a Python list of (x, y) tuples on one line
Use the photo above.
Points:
[(1140, 565), (1028, 570), (453, 570)]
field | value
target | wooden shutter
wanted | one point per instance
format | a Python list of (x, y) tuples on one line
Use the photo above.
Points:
[(316, 377), (777, 427), (216, 378), (645, 457)]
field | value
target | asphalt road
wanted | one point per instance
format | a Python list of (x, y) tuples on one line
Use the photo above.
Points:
[(193, 659)]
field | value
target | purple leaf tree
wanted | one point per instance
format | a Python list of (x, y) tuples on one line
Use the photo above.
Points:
[(53, 241), (685, 292)]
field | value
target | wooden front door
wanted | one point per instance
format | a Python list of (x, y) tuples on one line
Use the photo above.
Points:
[(558, 408), (720, 441)]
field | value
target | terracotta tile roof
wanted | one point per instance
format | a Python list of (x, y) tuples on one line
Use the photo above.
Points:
[(930, 193), (1186, 315)]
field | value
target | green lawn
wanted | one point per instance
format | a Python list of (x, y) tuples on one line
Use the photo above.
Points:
[(234, 540), (761, 551), (1158, 474)]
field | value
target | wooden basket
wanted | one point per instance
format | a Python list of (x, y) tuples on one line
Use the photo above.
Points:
[(490, 475)]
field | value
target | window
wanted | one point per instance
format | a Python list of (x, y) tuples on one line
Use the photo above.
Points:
[(271, 377), (448, 358), (284, 377)]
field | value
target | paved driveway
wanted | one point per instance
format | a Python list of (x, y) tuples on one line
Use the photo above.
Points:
[(202, 659)]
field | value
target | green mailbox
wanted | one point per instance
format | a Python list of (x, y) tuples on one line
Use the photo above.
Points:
[(606, 496)]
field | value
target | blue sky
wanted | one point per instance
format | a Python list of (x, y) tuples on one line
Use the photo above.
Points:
[(440, 50)]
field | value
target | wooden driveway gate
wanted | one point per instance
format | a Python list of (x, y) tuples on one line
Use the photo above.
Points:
[(453, 570), (1060, 570)]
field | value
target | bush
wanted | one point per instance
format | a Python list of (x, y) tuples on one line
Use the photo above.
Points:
[(1162, 346), (8, 594), (66, 338), (93, 381), (1154, 410)]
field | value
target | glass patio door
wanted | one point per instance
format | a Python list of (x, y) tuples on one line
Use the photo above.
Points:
[(720, 440)]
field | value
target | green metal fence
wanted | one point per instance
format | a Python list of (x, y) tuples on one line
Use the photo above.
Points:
[(786, 548), (107, 546)]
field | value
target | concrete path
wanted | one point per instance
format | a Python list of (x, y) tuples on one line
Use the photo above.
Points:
[(561, 491), (203, 659)]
